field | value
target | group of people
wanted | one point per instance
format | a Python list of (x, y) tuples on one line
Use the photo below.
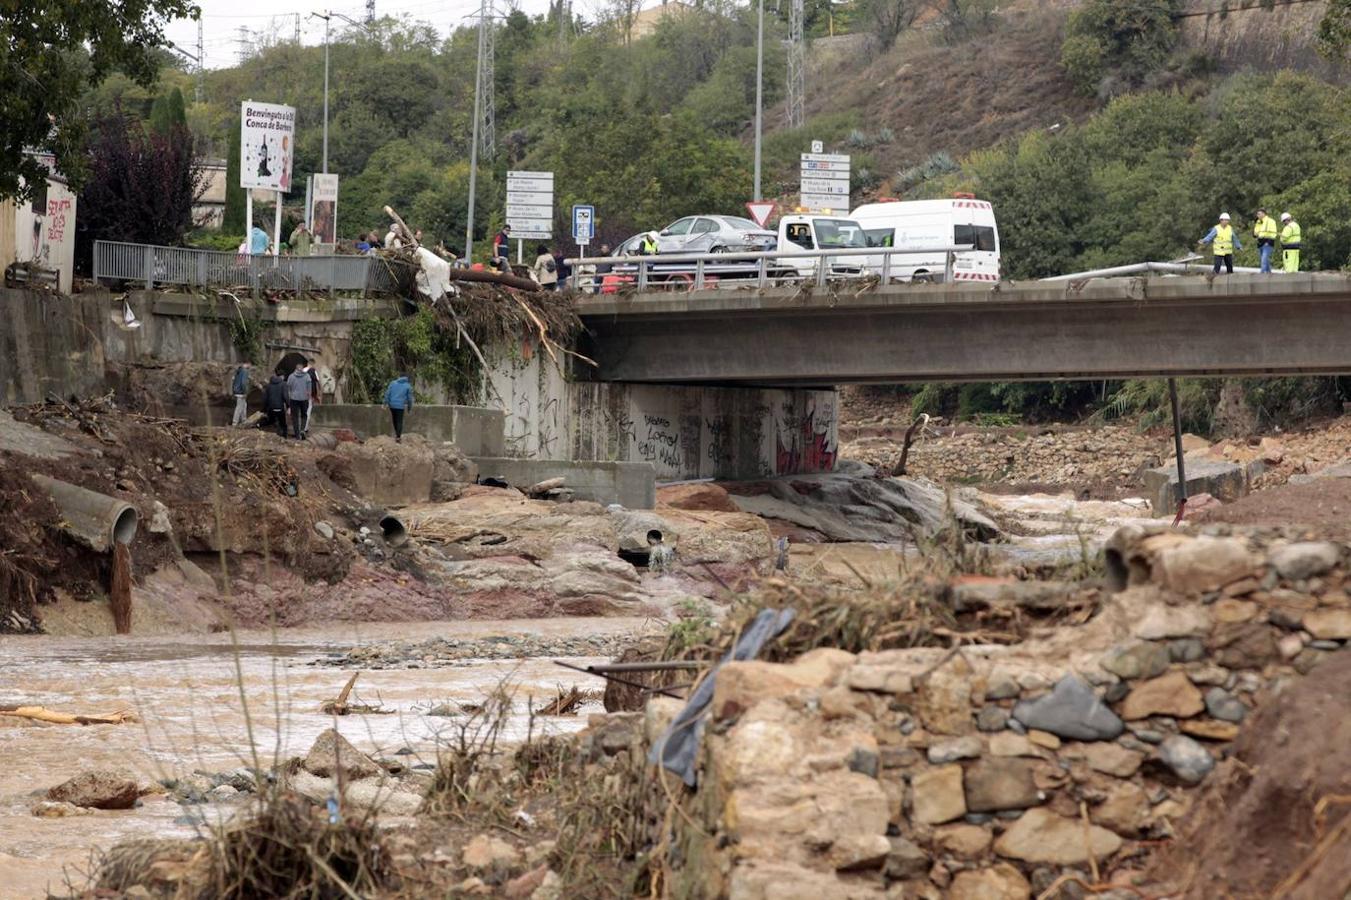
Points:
[(550, 269), (1223, 241), (292, 397)]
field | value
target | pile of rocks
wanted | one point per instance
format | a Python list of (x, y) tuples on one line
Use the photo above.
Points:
[(1110, 454), (994, 772)]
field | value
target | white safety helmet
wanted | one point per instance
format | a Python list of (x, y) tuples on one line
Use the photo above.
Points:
[(1224, 217), (1286, 217)]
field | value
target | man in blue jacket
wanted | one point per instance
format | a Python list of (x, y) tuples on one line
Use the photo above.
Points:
[(399, 399), (240, 388)]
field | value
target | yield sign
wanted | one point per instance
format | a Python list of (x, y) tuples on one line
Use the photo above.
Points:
[(761, 210)]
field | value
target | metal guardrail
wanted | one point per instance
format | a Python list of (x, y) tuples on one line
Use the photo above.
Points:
[(696, 271), (151, 265)]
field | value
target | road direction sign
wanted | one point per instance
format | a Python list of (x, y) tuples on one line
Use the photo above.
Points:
[(825, 181), (761, 210), (583, 223), (530, 204)]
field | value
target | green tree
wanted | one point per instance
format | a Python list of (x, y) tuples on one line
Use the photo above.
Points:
[(233, 222), (168, 113), (1128, 38), (50, 53), (1334, 31)]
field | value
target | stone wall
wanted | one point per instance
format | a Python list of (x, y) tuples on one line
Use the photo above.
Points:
[(1261, 36), (992, 771)]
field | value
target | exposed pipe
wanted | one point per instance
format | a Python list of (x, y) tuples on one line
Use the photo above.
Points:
[(95, 520), (394, 531), (1164, 268)]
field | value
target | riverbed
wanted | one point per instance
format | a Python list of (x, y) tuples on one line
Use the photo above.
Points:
[(217, 702)]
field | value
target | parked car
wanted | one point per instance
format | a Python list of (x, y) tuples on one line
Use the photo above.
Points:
[(714, 234)]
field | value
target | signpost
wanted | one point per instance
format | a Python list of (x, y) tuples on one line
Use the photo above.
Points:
[(583, 224), (530, 208), (761, 210), (825, 181), (267, 141)]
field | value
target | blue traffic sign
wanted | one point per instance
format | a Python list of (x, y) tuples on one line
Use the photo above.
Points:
[(583, 223)]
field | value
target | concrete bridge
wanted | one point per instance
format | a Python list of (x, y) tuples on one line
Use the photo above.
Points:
[(1100, 328)]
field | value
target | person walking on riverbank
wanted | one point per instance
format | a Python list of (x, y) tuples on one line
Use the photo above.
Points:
[(298, 398), (1223, 242), (239, 386), (274, 404), (399, 399)]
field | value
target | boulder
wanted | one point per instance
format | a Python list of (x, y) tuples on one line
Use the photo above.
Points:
[(1168, 695), (905, 860), (99, 789), (450, 465), (1225, 706), (1000, 783), (1126, 810), (52, 809), (1329, 624), (332, 753), (1143, 659), (1042, 837), (937, 795), (1071, 710), (1188, 760), (700, 496), (1205, 564), (1305, 559), (391, 473), (1002, 882), (1225, 481)]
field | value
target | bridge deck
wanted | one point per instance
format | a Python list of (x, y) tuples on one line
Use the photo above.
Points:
[(1102, 328)]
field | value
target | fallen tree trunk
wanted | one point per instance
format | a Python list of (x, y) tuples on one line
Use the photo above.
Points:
[(42, 714), (483, 275)]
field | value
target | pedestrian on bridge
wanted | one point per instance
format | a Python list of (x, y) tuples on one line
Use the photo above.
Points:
[(545, 269), (1223, 242), (1264, 229), (1290, 239), (502, 249)]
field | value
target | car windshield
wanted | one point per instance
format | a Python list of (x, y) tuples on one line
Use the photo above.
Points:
[(743, 224), (836, 234)]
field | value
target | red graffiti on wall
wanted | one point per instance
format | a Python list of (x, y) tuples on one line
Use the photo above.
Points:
[(57, 213), (808, 449)]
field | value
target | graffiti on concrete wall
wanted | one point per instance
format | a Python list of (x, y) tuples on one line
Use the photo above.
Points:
[(659, 443), (805, 436)]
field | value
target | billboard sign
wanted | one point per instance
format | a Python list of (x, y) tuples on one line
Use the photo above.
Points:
[(324, 209), (267, 143)]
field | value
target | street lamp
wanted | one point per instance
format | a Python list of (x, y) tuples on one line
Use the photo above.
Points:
[(326, 17), (759, 92)]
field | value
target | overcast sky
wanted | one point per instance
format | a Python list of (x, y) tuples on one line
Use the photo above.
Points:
[(223, 19)]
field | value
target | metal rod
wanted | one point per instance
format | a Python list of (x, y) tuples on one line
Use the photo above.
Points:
[(618, 680), (325, 161), (1177, 447)]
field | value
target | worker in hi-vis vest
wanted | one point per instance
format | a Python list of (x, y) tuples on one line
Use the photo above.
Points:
[(1264, 229), (1290, 237), (1223, 241)]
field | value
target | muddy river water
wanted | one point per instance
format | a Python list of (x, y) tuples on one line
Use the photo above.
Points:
[(187, 692)]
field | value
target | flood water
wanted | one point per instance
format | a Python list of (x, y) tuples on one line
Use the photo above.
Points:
[(208, 703)]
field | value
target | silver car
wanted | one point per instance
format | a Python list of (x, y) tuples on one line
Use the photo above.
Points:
[(714, 234)]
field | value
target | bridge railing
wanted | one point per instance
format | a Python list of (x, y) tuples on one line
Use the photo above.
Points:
[(149, 264), (697, 271)]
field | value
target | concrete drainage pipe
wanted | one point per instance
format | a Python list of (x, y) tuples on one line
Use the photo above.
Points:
[(95, 520), (394, 531)]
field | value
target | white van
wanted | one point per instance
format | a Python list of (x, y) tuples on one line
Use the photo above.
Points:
[(934, 223), (815, 232)]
